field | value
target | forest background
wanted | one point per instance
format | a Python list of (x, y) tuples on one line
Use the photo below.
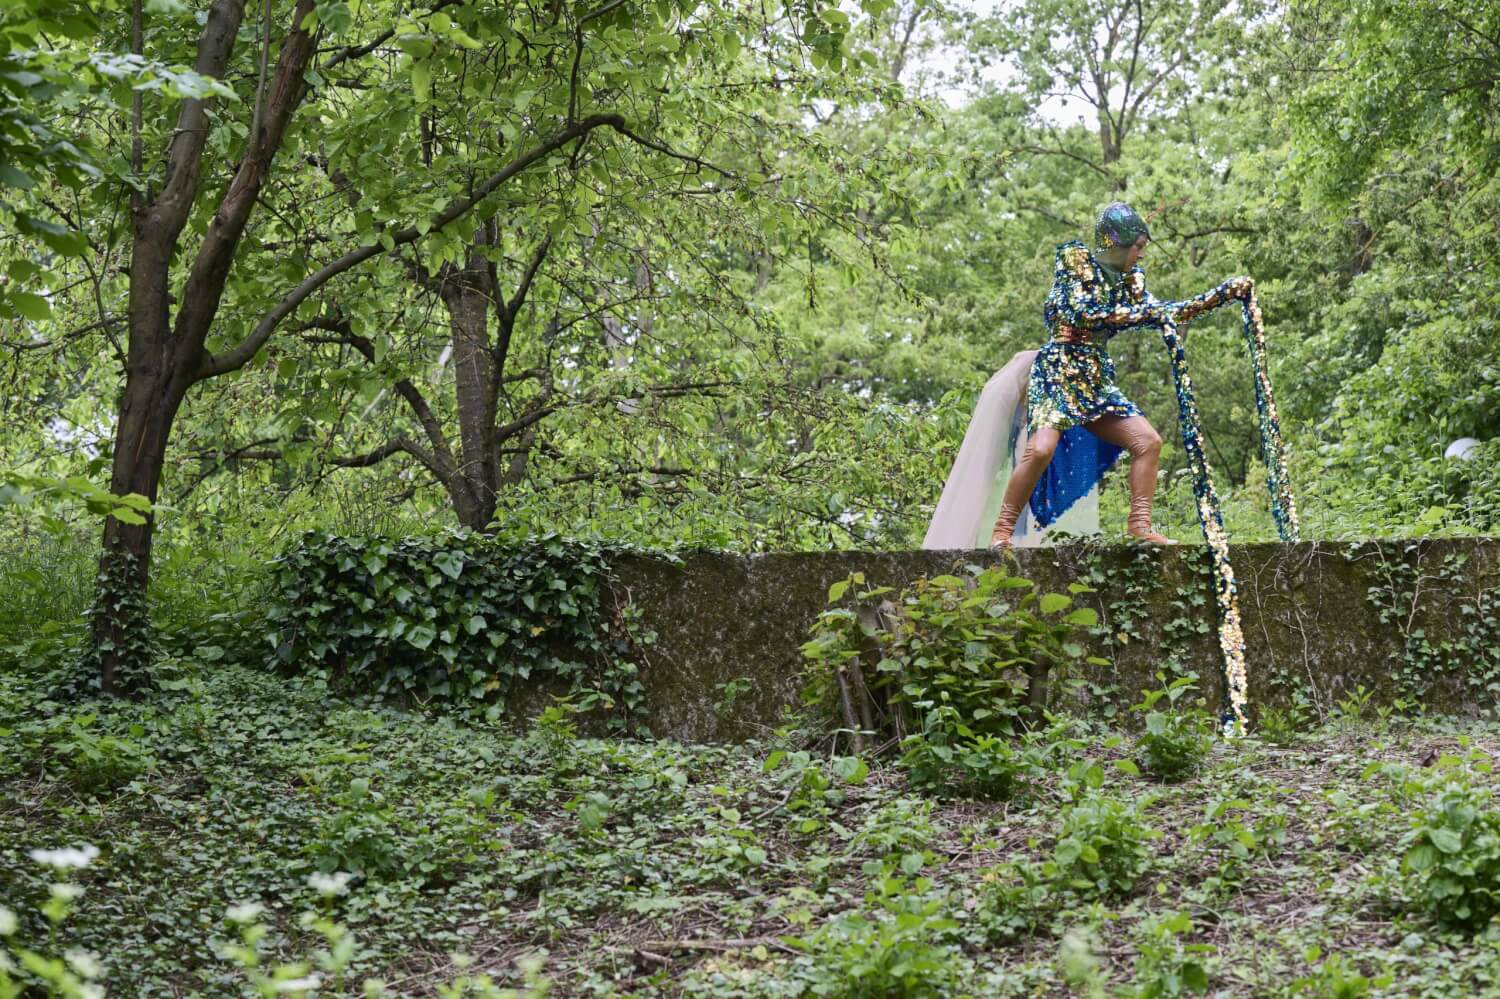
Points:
[(701, 274)]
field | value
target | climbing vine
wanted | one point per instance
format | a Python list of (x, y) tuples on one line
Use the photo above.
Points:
[(1127, 585), (120, 600), (1402, 596), (459, 618)]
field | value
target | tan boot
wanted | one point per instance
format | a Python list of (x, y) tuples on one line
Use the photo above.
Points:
[(1139, 524), (1005, 526)]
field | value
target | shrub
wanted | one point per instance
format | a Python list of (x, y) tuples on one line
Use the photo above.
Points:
[(951, 669), (1102, 849), (814, 786), (79, 749), (899, 950), (1336, 978), (1165, 967), (1454, 851), (459, 617), (1016, 902), (1176, 741)]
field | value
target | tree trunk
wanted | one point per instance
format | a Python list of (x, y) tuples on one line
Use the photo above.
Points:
[(153, 393), (165, 354), (475, 382)]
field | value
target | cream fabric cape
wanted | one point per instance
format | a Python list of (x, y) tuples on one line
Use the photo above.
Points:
[(966, 512)]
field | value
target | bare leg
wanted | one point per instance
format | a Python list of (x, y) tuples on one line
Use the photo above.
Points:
[(1040, 447), (1136, 435)]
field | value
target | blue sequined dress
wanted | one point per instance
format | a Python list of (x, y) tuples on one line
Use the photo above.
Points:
[(1073, 378)]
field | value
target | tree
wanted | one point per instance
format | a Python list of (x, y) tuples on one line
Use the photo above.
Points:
[(187, 230)]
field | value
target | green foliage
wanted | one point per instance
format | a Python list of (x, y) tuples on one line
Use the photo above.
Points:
[(1337, 977), (1414, 599), (1103, 847), (814, 787), (78, 974), (978, 643), (17, 489), (459, 618), (1453, 850), (948, 757), (954, 667), (120, 599), (1018, 901), (93, 760), (1166, 967), (899, 949), (1235, 844), (1175, 742), (377, 835)]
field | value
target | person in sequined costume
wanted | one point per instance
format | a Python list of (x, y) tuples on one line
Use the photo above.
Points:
[(1073, 401), (1075, 411)]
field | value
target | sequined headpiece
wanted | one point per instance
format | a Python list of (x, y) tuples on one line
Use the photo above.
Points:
[(1119, 225)]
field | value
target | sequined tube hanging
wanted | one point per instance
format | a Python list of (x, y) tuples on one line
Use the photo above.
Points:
[(1231, 635), (1272, 448)]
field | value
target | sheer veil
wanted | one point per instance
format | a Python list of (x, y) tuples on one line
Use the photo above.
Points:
[(996, 438)]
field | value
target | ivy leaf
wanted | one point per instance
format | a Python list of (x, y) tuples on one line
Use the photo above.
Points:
[(421, 635), (450, 563)]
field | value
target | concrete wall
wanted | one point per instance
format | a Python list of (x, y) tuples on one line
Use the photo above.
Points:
[(1312, 628)]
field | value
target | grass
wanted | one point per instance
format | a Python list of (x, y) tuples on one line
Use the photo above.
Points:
[(654, 869)]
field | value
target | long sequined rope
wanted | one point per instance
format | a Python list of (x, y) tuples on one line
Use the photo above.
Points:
[(1231, 636), (1272, 448), (1278, 481)]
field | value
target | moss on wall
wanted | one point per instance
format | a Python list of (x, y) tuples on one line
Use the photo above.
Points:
[(1320, 621)]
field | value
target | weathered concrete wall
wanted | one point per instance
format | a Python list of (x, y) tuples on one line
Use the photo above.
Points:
[(1312, 627)]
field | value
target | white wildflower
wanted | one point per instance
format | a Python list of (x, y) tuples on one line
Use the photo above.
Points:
[(249, 912), (84, 963), (305, 984), (67, 858), (329, 885), (7, 922)]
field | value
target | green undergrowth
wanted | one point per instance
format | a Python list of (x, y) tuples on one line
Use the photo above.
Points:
[(459, 618), (257, 835)]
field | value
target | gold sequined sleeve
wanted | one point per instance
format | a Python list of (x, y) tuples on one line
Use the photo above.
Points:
[(1235, 289), (1078, 295)]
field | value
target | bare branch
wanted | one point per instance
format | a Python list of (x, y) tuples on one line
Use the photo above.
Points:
[(441, 459), (524, 285), (356, 51)]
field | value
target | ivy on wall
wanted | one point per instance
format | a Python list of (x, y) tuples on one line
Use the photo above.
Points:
[(1409, 596), (459, 618)]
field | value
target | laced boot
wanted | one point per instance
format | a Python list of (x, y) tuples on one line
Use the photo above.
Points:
[(1139, 523), (1005, 526)]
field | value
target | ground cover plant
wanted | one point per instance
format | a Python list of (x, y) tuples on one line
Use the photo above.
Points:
[(254, 834)]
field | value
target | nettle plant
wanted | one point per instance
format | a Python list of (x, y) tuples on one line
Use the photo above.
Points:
[(1103, 848), (459, 618), (951, 669)]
